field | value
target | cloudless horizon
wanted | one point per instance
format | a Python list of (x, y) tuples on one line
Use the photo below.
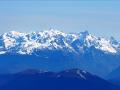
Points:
[(100, 18)]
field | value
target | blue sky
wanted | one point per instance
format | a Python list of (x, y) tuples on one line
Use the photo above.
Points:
[(101, 18)]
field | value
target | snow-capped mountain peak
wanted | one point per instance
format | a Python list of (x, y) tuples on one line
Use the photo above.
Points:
[(27, 43)]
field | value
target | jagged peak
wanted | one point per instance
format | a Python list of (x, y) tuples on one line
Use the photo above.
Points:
[(85, 33), (15, 33), (53, 32)]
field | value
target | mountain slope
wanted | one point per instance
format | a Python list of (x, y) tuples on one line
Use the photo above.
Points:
[(66, 80), (114, 77)]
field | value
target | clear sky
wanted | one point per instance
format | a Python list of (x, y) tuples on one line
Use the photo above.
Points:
[(101, 18)]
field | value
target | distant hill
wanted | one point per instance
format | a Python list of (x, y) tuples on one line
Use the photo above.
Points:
[(74, 79)]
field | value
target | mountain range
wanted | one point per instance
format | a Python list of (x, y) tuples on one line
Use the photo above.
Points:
[(54, 50), (27, 43)]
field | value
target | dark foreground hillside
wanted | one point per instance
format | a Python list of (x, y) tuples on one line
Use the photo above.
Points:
[(67, 80)]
